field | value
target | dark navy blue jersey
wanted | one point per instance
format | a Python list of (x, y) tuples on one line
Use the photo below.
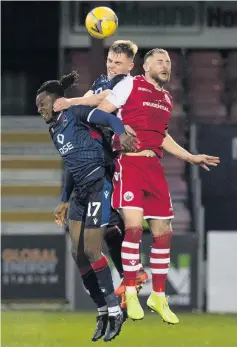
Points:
[(103, 82), (100, 84), (84, 163), (82, 154)]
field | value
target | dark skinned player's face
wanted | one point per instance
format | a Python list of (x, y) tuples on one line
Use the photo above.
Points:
[(44, 104)]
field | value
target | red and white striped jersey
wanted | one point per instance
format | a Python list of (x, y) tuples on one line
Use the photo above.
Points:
[(143, 107)]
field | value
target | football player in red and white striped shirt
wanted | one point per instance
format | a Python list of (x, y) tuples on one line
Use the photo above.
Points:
[(140, 187)]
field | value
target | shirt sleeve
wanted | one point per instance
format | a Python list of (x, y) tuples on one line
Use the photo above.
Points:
[(121, 92), (81, 112), (99, 117), (68, 185), (95, 85)]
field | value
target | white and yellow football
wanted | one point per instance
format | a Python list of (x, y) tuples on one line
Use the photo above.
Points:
[(101, 22)]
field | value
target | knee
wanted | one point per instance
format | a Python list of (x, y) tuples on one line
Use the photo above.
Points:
[(135, 234), (132, 218), (93, 253), (166, 226), (113, 236), (163, 227)]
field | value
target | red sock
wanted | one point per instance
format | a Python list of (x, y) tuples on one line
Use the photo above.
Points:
[(100, 264), (130, 255), (159, 261)]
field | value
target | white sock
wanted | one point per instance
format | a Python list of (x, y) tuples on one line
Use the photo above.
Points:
[(159, 293), (102, 310), (114, 310), (131, 290)]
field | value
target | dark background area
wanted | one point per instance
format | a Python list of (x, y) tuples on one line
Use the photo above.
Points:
[(30, 41)]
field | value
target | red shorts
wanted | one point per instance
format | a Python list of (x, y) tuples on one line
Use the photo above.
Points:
[(139, 183)]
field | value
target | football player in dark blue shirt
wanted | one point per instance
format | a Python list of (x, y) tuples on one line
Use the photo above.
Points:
[(114, 232), (90, 209), (119, 63)]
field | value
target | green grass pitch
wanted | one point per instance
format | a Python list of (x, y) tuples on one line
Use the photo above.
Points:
[(66, 329)]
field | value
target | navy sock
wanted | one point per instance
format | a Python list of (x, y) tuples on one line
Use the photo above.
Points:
[(91, 284), (114, 239), (103, 274)]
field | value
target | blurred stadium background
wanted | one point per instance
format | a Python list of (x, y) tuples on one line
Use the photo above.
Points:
[(41, 41)]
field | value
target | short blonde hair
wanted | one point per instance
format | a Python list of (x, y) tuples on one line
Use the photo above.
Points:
[(127, 47), (153, 51)]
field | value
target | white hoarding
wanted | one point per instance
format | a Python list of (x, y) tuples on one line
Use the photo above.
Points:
[(222, 271)]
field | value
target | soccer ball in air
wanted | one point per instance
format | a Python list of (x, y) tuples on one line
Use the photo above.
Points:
[(101, 22)]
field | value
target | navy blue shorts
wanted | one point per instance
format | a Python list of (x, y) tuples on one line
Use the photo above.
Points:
[(91, 204)]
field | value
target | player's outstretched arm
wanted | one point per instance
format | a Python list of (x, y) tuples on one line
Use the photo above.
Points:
[(88, 99), (199, 159), (171, 146)]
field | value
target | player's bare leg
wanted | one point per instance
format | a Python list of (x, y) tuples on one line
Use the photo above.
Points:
[(93, 239), (133, 219), (159, 264)]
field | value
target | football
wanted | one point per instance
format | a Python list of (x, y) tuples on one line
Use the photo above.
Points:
[(101, 22)]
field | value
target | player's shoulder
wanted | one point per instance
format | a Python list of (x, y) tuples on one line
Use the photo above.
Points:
[(102, 79), (125, 84), (78, 113), (75, 109), (166, 92), (125, 77), (167, 96), (139, 78), (64, 117), (116, 79), (140, 81)]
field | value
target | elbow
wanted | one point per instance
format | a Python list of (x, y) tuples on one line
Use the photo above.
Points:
[(165, 139)]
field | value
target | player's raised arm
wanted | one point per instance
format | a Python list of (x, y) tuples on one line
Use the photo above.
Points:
[(89, 99), (118, 96)]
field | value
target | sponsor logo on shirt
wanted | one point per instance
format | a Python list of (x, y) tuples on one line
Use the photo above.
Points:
[(144, 90), (65, 120), (152, 104)]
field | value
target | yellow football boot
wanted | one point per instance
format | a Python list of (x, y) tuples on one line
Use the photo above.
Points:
[(160, 305), (134, 309)]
